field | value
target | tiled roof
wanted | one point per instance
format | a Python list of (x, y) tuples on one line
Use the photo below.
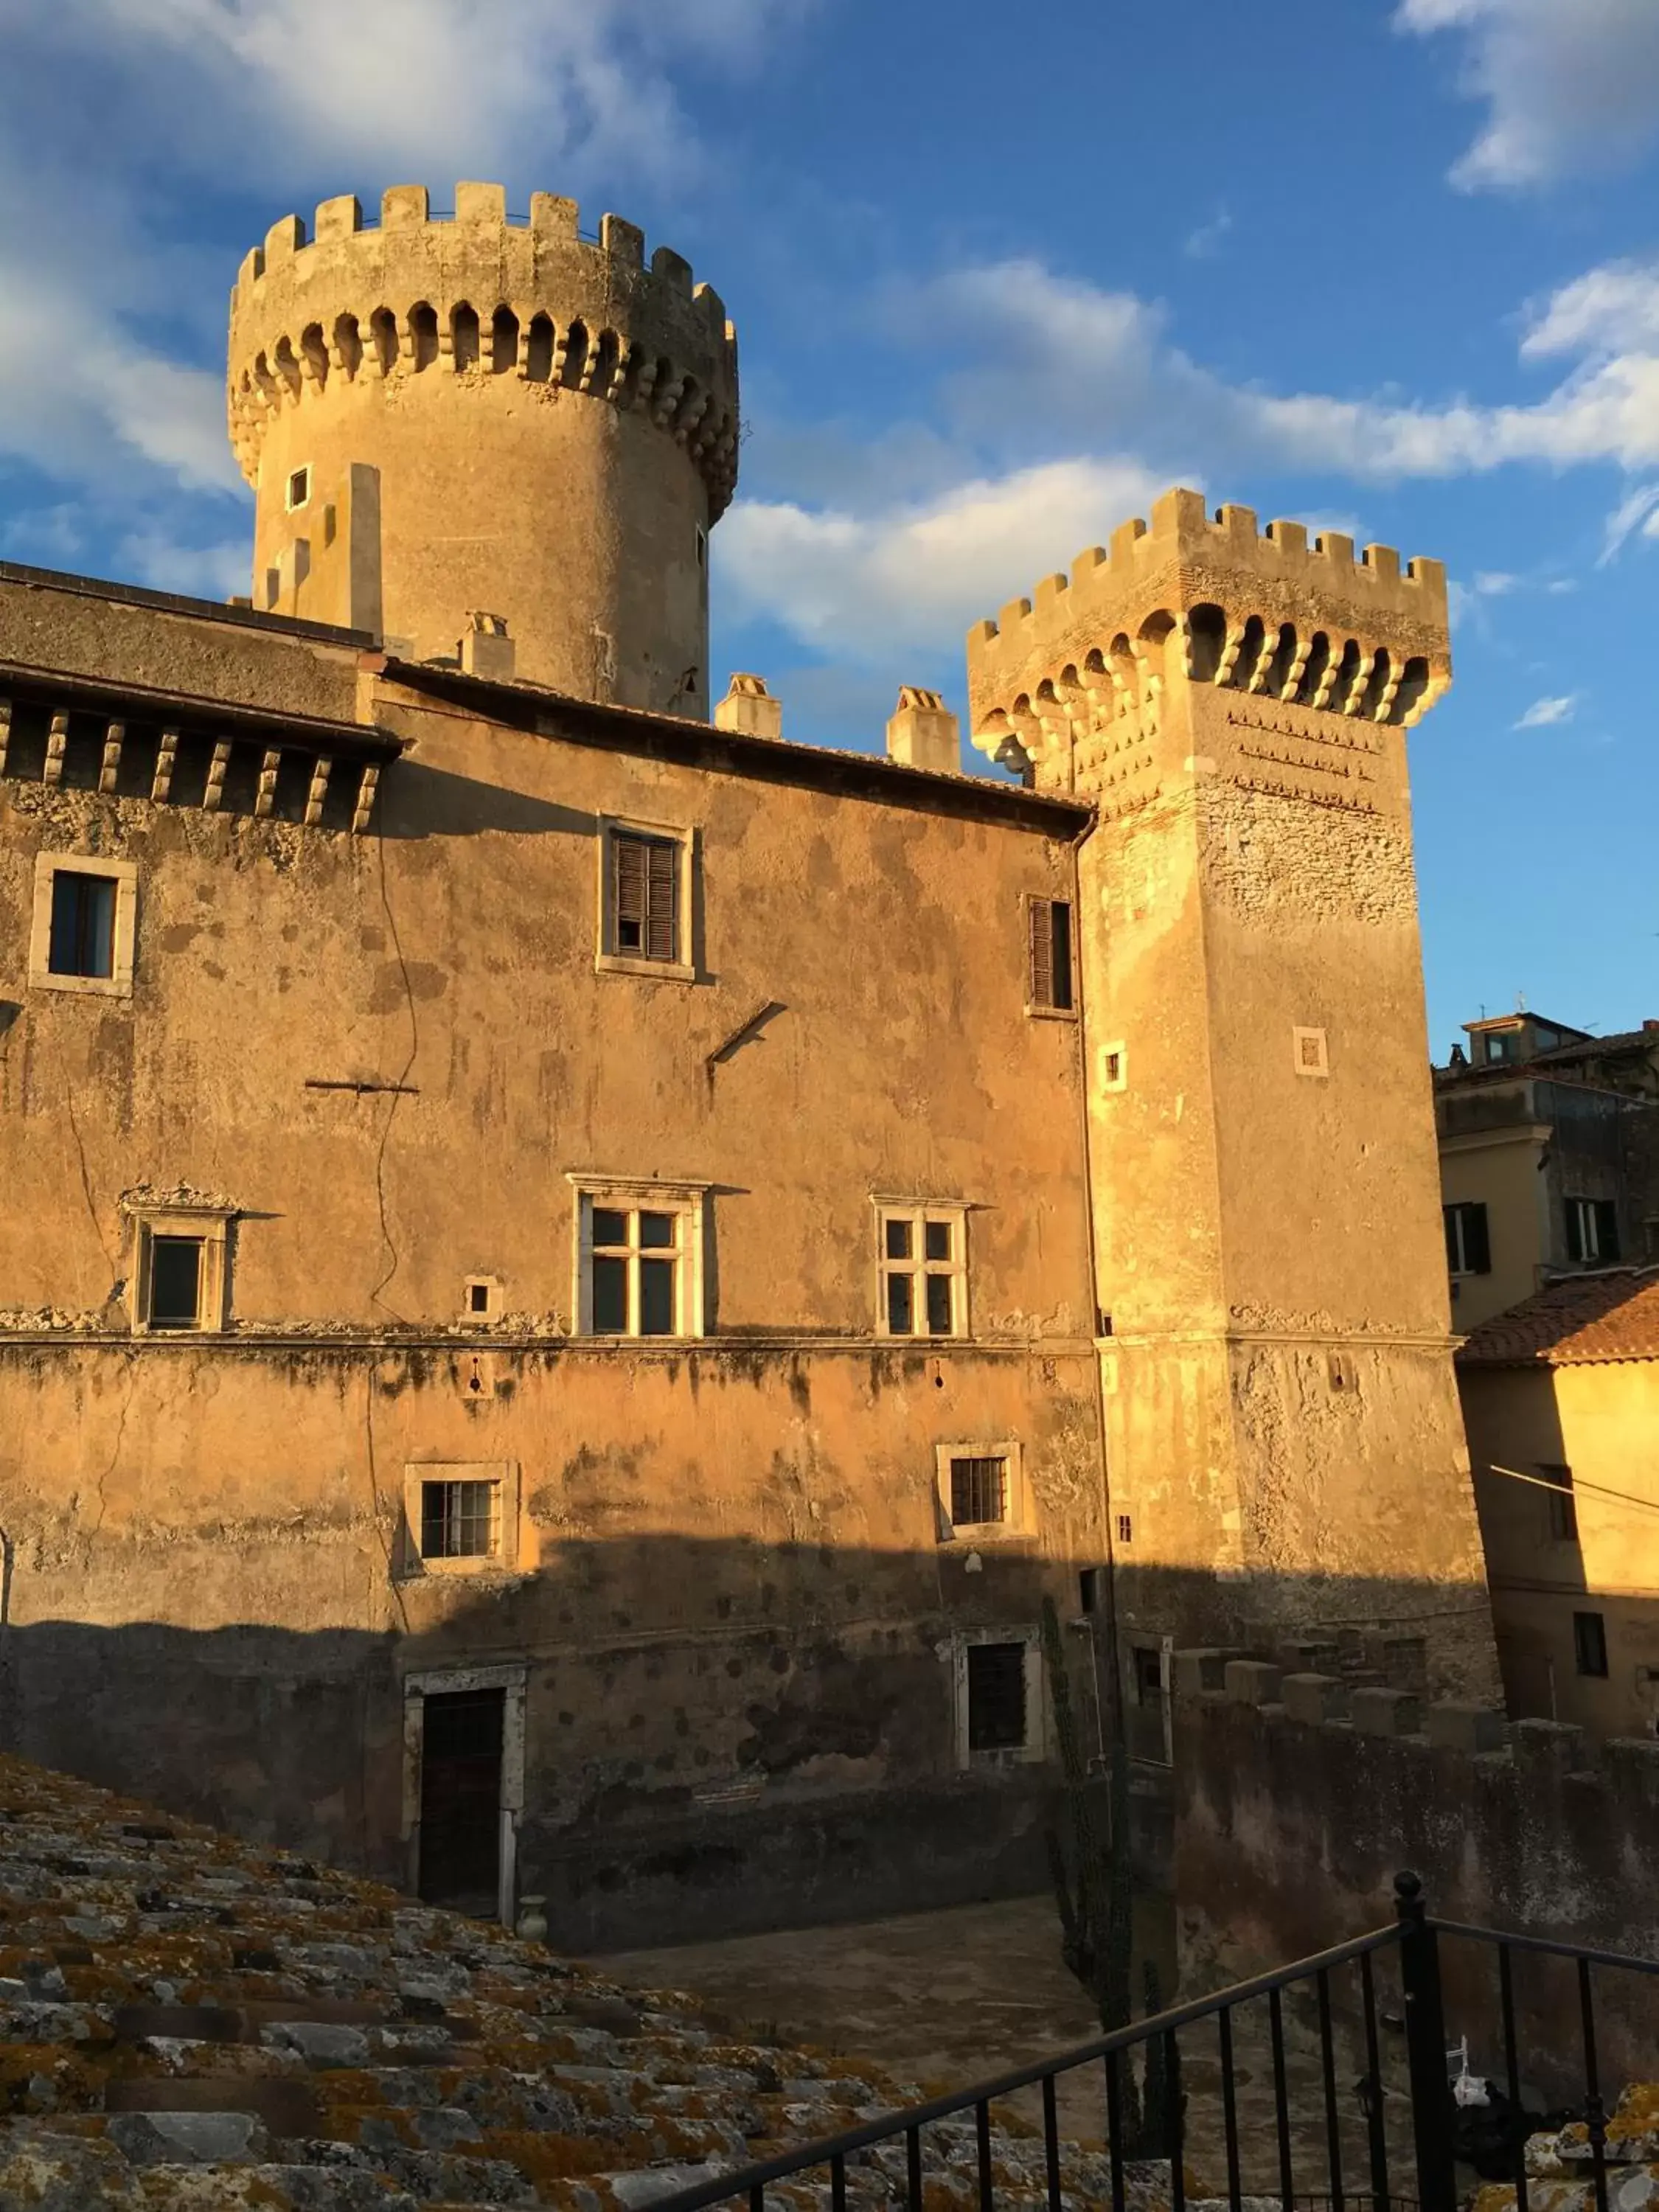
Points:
[(1620, 1041), (1612, 1314), (193, 2023)]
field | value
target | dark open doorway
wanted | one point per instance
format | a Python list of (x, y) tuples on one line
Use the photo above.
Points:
[(461, 1800)]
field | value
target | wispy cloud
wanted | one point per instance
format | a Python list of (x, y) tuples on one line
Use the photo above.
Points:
[(1568, 85), (1545, 713), (1636, 515), (1198, 245)]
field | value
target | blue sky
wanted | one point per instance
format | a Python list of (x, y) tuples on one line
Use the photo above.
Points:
[(1388, 265)]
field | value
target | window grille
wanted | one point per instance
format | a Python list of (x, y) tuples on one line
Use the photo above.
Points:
[(459, 1520), (979, 1491), (996, 1696)]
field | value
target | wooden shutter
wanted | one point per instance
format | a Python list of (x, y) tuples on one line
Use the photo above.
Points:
[(1477, 1244), (661, 904), (1041, 917), (630, 890)]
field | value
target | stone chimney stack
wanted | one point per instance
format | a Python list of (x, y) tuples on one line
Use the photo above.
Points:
[(486, 648), (749, 709), (922, 733)]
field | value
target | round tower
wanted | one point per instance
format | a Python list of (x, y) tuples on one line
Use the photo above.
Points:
[(455, 424)]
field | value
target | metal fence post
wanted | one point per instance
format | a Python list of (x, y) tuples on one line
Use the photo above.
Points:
[(1425, 2049)]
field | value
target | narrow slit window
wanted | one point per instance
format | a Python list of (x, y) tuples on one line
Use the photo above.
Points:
[(1049, 925), (298, 488), (1563, 1507), (1589, 1643)]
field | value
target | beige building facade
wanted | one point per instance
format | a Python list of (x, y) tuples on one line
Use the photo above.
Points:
[(1561, 1397), (573, 1277)]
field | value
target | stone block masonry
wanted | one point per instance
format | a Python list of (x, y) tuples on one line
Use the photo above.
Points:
[(1290, 1825)]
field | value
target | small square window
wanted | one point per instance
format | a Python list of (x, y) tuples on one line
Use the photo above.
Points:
[(298, 488), (1589, 1643), (1111, 1067), (1309, 1051), (180, 1266), (924, 1283), (982, 1490), (979, 1490), (460, 1519), (83, 934), (996, 1696), (480, 1298)]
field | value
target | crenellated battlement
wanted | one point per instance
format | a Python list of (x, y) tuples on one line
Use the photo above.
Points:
[(1216, 600), (479, 296)]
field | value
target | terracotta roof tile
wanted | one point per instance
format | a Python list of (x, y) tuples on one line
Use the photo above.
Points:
[(1612, 1314)]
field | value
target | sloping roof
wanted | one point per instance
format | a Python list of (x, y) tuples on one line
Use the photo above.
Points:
[(1620, 1041), (1612, 1314), (193, 2022)]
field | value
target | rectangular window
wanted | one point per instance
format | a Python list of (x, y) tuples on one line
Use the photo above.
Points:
[(175, 1282), (639, 1260), (1469, 1248), (83, 934), (460, 1519), (924, 1277), (979, 1491), (1592, 1230), (82, 924), (645, 892), (1589, 1643), (1562, 1509), (996, 1696), (1048, 945)]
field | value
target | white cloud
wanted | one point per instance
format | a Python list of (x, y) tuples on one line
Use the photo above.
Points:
[(1494, 583), (1201, 243), (1638, 512), (905, 578), (1545, 713), (1569, 85), (474, 83)]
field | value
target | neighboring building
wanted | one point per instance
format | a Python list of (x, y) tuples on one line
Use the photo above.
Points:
[(1549, 1156), (563, 1265), (1561, 1400)]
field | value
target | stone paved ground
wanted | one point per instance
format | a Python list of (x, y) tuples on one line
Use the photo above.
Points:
[(189, 2021)]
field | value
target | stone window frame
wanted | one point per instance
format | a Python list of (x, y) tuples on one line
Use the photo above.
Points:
[(628, 1194), (118, 984), (504, 1559), (1035, 1749), (918, 1212), (301, 475), (474, 1316), (214, 1225), (974, 1535), (1112, 1067), (1319, 1066), (608, 959), (439, 1682)]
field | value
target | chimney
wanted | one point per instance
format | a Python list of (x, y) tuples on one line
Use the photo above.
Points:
[(749, 709), (1650, 1024), (487, 650), (922, 733)]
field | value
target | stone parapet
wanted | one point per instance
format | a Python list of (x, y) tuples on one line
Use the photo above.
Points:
[(476, 294)]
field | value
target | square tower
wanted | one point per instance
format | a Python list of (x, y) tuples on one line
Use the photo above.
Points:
[(1287, 1451)]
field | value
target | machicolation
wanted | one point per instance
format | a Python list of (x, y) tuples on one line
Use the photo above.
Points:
[(478, 293)]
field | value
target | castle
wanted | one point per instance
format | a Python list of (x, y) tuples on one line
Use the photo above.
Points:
[(574, 1275)]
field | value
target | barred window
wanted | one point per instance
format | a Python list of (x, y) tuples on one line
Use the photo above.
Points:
[(460, 1519), (979, 1491), (996, 1696)]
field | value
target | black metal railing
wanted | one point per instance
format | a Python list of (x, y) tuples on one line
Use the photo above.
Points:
[(1429, 2133)]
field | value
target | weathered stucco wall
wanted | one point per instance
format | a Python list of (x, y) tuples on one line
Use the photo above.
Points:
[(729, 1588), (1597, 1420)]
